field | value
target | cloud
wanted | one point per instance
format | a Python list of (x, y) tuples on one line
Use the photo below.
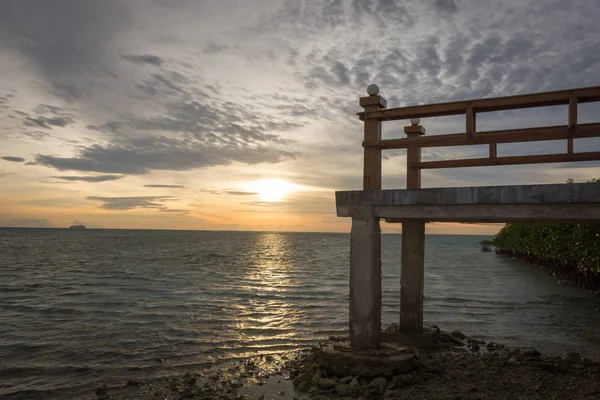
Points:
[(143, 59), (46, 116), (13, 159), (2, 175), (447, 6), (268, 204), (97, 178), (174, 211), (191, 132), (232, 192), (65, 39), (130, 203), (165, 186)]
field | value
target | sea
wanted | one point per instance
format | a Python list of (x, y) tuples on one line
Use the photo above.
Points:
[(83, 308)]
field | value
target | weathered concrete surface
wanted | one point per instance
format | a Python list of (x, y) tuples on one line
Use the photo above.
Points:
[(412, 276), (577, 201), (584, 212), (365, 283), (342, 361)]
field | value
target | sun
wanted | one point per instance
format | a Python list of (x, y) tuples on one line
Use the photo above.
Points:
[(272, 189)]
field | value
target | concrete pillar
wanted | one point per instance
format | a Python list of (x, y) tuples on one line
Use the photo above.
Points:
[(412, 276), (365, 283), (412, 269)]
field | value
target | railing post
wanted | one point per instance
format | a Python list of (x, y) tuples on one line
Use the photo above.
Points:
[(365, 243), (372, 161), (412, 271)]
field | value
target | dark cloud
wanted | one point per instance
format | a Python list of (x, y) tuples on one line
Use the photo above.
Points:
[(143, 59), (13, 159), (129, 203), (447, 6), (140, 156), (189, 134), (174, 210), (64, 38), (165, 186), (231, 192), (97, 178), (45, 116)]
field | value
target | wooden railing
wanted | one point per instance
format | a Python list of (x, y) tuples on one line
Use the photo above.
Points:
[(375, 112)]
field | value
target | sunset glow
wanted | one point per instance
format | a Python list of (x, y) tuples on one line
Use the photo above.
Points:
[(272, 189)]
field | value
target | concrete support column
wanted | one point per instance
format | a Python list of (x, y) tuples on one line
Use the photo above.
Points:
[(412, 270), (412, 276), (365, 283)]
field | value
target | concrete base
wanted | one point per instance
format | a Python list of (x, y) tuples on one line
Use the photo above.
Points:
[(418, 340), (365, 283), (342, 362)]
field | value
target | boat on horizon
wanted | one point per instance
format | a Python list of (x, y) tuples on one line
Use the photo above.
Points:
[(77, 227)]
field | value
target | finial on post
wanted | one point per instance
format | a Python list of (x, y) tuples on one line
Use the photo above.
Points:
[(372, 90), (373, 99), (415, 121)]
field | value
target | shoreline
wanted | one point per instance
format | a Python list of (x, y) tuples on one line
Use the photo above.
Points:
[(457, 367), (563, 273)]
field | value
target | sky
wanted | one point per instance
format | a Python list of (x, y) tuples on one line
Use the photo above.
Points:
[(241, 115)]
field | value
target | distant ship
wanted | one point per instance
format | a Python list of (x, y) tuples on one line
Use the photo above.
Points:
[(77, 227)]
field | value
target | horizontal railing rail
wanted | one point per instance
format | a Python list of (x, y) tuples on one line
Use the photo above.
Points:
[(561, 97), (376, 112)]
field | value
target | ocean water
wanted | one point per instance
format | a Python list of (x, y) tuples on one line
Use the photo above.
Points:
[(79, 309)]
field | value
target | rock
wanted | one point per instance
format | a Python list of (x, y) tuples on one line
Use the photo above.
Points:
[(133, 383), (458, 335), (269, 358), (317, 375), (346, 380), (512, 360), (493, 346), (326, 384), (347, 390), (102, 391), (587, 361), (379, 384), (282, 393), (304, 386), (531, 353), (574, 358), (404, 380), (354, 382), (474, 346), (434, 367)]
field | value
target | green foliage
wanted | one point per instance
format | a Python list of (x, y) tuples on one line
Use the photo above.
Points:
[(576, 245)]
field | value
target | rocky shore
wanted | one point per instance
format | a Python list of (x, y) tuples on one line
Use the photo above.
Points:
[(457, 367), (564, 273)]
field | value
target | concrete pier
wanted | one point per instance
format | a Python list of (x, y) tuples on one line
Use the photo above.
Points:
[(365, 283), (414, 207), (412, 276)]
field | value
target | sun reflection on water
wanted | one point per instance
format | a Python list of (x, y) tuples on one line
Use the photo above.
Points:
[(267, 316)]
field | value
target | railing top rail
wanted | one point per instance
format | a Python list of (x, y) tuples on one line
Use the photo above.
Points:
[(560, 97)]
